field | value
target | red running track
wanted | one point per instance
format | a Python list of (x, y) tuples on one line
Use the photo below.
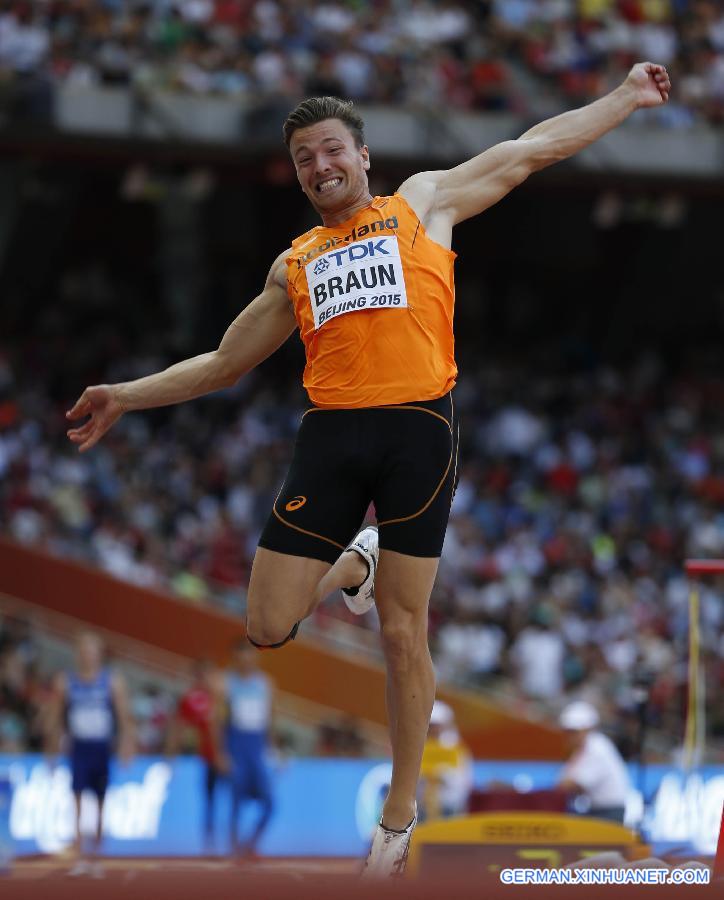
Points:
[(175, 879)]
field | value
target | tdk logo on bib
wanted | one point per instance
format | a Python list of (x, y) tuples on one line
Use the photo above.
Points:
[(364, 275)]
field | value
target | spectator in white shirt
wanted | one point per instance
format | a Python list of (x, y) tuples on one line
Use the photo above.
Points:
[(538, 654), (595, 768)]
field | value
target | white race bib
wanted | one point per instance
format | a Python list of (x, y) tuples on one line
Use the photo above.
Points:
[(249, 713), (366, 274), (89, 723)]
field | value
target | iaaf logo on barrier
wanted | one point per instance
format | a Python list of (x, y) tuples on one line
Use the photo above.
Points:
[(43, 808), (687, 810)]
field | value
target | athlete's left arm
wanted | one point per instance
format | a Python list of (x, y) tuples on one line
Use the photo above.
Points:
[(122, 708), (442, 199), (219, 720), (53, 724)]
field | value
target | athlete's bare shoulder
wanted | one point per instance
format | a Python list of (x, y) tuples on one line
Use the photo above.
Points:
[(419, 191), (277, 276)]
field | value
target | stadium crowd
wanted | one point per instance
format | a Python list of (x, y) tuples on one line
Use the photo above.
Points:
[(427, 54), (580, 496), (24, 688)]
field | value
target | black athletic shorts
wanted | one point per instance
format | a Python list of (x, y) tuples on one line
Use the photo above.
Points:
[(90, 763), (401, 458)]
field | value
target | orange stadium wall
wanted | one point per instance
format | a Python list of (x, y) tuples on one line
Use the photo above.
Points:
[(347, 682)]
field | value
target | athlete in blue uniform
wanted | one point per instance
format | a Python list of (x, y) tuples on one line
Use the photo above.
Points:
[(90, 705), (249, 695)]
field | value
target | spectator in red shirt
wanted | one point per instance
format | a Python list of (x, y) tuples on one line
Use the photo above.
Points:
[(196, 725)]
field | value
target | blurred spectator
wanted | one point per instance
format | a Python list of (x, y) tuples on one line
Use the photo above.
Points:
[(23, 692), (458, 53), (13, 705), (90, 707), (339, 738), (198, 715), (151, 710), (595, 770), (248, 696), (447, 772), (538, 654)]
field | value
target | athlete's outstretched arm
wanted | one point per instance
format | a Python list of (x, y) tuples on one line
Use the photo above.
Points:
[(255, 334), (447, 197)]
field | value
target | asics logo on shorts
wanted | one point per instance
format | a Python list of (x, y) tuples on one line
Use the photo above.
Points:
[(295, 503)]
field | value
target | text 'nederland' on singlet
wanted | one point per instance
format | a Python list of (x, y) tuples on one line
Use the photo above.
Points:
[(90, 709), (374, 300)]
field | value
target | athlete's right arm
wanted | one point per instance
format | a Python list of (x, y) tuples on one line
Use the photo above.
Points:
[(52, 716), (259, 330), (218, 720)]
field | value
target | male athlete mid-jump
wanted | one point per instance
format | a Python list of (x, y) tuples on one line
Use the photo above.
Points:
[(371, 292)]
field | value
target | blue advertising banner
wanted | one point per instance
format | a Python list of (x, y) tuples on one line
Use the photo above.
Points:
[(323, 807)]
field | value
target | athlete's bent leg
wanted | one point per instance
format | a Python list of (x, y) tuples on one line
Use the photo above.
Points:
[(266, 809), (98, 836), (210, 782), (78, 841), (285, 589), (403, 587), (237, 796)]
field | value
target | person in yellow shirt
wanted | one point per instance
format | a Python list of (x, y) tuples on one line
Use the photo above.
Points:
[(446, 774), (371, 293)]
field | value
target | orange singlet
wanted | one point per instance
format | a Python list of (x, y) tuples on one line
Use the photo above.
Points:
[(374, 298)]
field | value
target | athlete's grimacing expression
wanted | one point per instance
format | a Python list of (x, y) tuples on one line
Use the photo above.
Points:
[(331, 169)]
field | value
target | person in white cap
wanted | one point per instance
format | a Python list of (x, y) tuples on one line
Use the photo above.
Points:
[(595, 768)]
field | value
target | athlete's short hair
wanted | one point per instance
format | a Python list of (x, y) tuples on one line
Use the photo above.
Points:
[(317, 109)]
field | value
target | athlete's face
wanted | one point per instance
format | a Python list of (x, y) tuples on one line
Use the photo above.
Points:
[(89, 652), (331, 168), (245, 659)]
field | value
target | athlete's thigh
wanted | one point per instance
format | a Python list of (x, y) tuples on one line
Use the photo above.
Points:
[(403, 585), (326, 492), (283, 585), (240, 782), (415, 488)]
